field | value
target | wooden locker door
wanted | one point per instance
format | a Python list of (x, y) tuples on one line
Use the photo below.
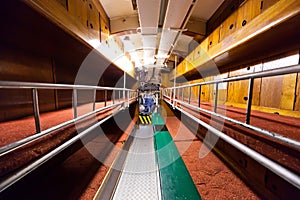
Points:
[(63, 3), (271, 92), (265, 4), (247, 12), (93, 21), (228, 26), (297, 102), (78, 9), (214, 38), (104, 29), (288, 92)]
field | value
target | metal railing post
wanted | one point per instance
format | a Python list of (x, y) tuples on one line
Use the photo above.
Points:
[(105, 98), (113, 96), (94, 99), (249, 101), (189, 96), (182, 94), (35, 101), (199, 96), (75, 103), (174, 84), (216, 98), (128, 98), (124, 92)]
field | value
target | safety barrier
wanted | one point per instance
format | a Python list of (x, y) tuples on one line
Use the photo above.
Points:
[(173, 99)]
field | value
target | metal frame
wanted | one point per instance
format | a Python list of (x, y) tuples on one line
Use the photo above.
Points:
[(250, 77), (286, 174), (35, 86)]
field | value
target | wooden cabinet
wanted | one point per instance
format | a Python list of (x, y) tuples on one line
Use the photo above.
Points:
[(265, 4), (104, 29), (78, 9), (228, 26), (214, 38), (249, 10), (86, 12), (92, 17)]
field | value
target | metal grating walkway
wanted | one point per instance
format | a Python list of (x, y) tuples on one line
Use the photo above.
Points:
[(140, 175)]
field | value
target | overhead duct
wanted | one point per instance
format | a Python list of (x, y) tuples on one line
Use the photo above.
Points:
[(149, 12), (177, 14)]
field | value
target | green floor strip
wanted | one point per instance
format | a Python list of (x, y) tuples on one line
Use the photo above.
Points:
[(157, 119), (176, 182)]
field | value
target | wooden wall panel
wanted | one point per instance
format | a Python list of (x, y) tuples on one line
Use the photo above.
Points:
[(247, 12), (104, 29), (78, 9), (19, 66), (214, 38), (297, 101), (271, 92), (237, 91), (222, 96), (63, 3), (224, 11), (93, 19), (265, 4), (228, 26), (288, 91), (256, 92)]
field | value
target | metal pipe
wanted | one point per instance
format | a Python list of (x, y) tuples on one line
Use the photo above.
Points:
[(182, 94), (75, 103), (199, 96), (270, 134), (4, 184), (94, 99), (268, 73), (189, 95), (216, 98), (113, 96), (249, 101), (30, 85), (124, 86), (175, 65), (128, 97), (105, 97), (284, 173), (18, 144), (35, 103)]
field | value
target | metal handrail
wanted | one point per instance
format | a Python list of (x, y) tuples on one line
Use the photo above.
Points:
[(20, 143), (10, 180), (250, 77), (284, 173), (267, 73), (270, 134), (30, 85), (35, 86)]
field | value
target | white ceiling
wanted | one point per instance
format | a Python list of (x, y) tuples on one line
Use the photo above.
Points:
[(152, 45), (120, 8)]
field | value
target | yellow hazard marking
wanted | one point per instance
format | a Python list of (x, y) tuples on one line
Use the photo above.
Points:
[(141, 119), (149, 119), (145, 119)]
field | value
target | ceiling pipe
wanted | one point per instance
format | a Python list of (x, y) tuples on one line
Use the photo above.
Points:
[(162, 12), (186, 19)]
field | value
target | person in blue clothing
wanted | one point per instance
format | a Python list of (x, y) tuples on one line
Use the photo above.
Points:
[(147, 104)]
